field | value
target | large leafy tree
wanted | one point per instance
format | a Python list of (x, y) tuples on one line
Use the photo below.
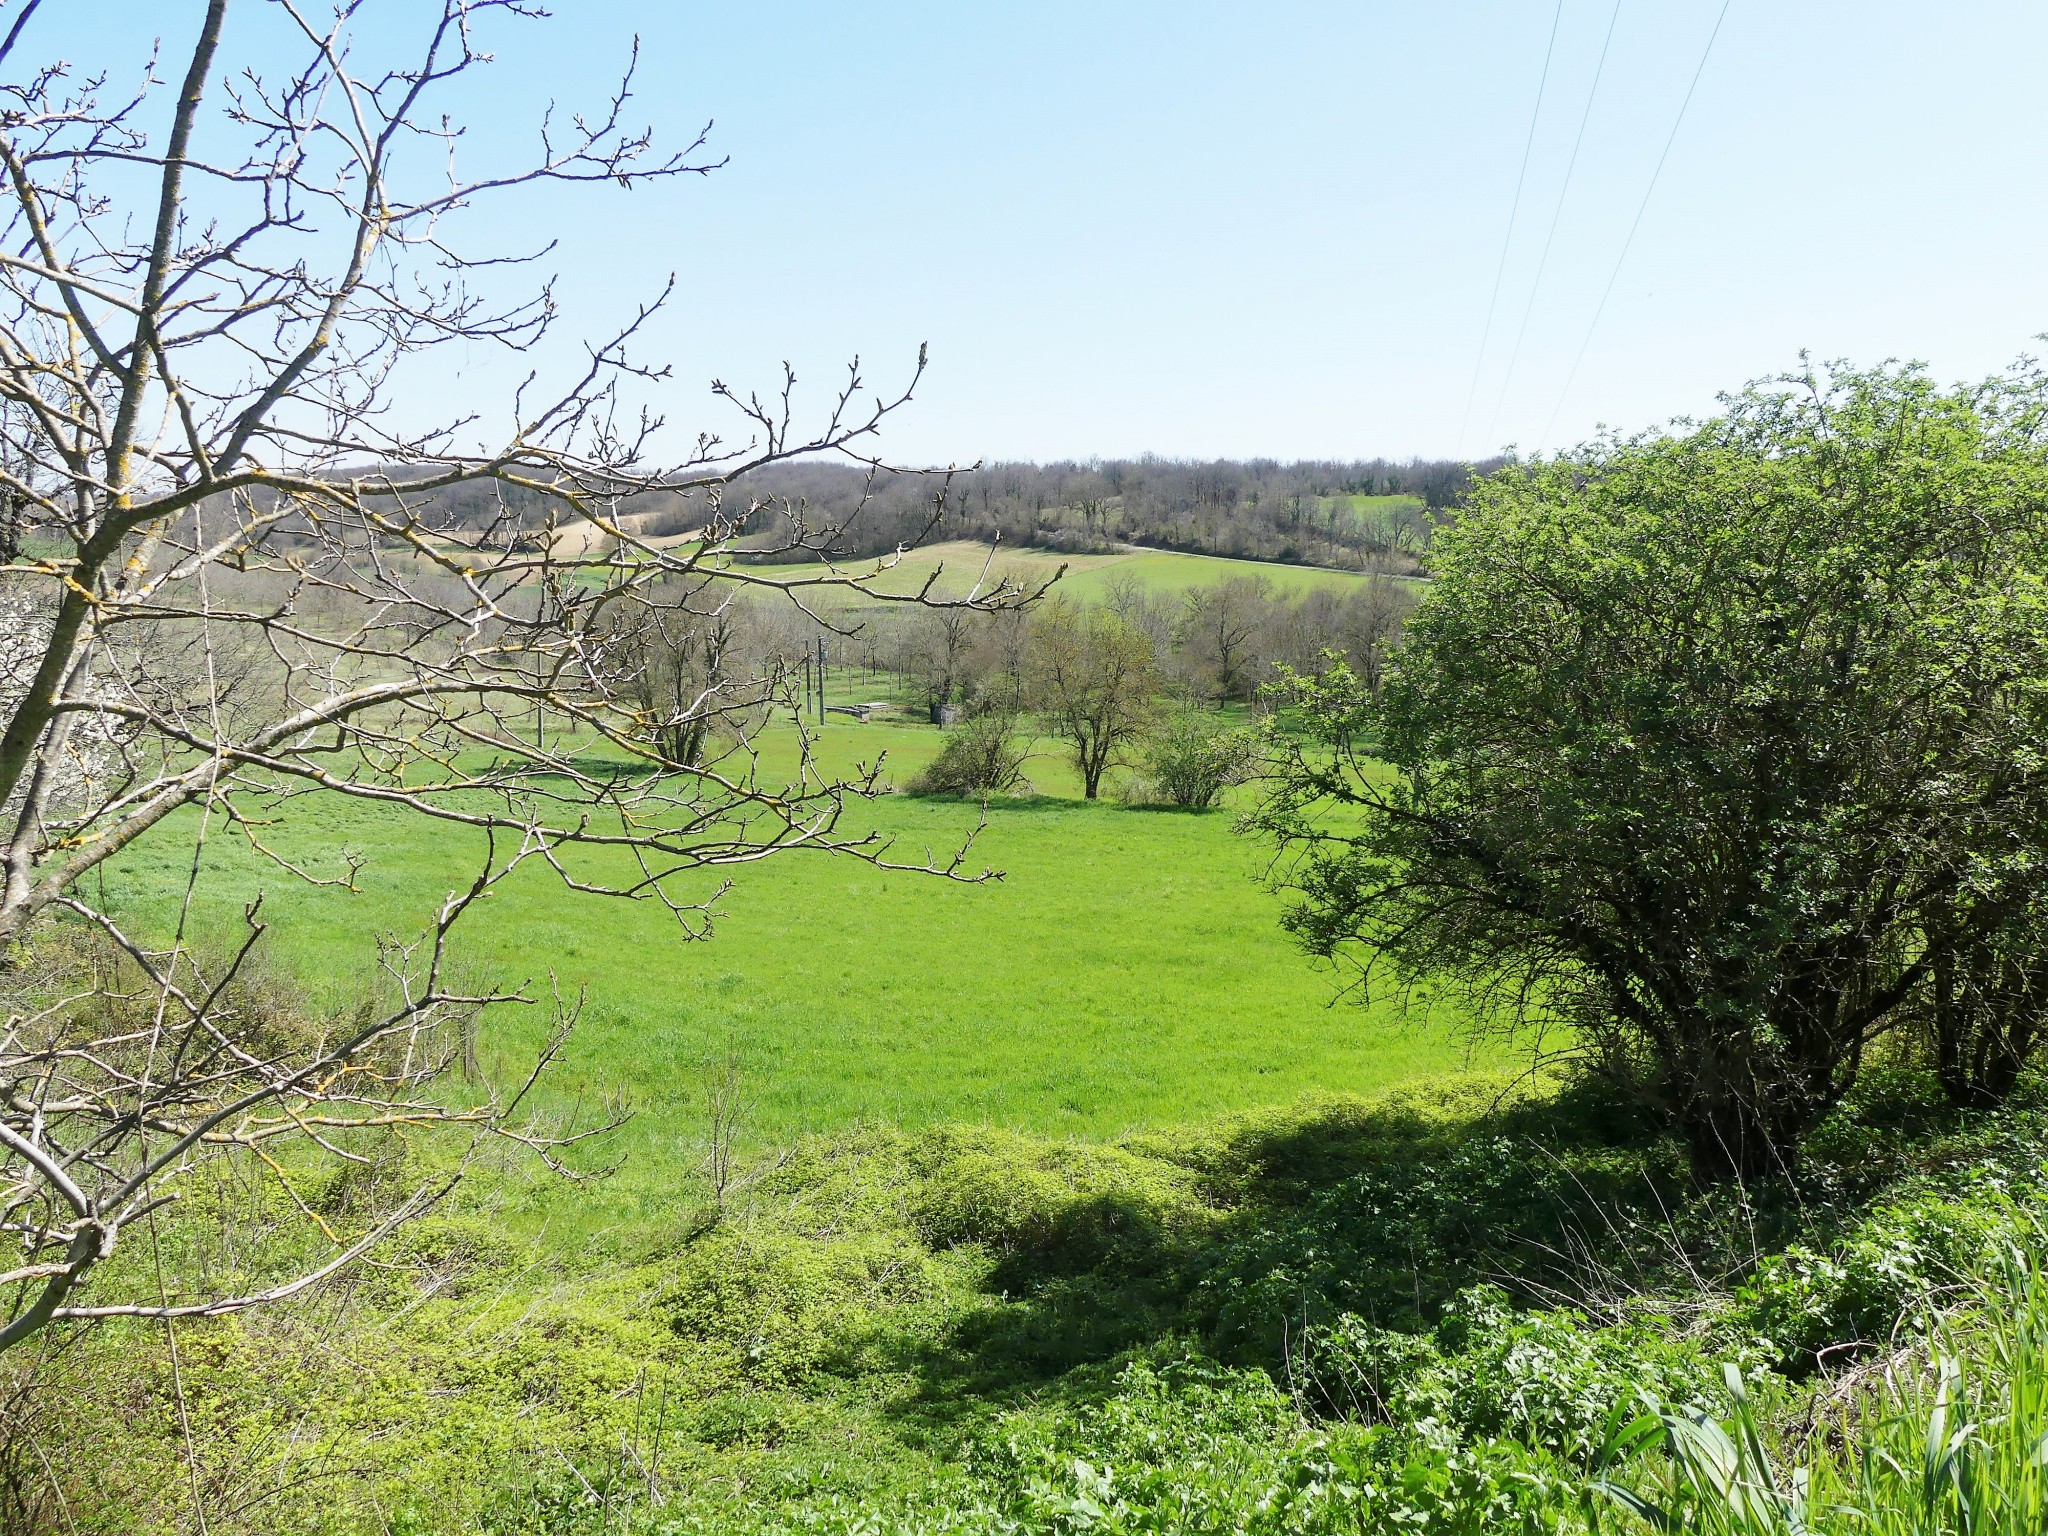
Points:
[(1715, 746)]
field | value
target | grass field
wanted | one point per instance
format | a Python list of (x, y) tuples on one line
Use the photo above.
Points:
[(1089, 576), (1127, 971)]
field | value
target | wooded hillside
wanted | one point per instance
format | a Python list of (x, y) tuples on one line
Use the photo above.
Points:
[(1351, 514)]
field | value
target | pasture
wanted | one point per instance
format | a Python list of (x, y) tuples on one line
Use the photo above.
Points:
[(959, 563), (1127, 971)]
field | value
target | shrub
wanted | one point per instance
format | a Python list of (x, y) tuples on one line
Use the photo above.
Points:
[(1808, 1301), (1948, 1437), (1713, 744), (983, 758), (1397, 1241), (1051, 1206), (1548, 1378), (1180, 1445), (1194, 757)]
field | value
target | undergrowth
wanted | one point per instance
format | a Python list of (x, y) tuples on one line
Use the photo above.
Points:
[(1463, 1309)]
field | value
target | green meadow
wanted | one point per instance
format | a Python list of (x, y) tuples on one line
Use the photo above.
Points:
[(1165, 570), (1127, 970), (959, 563)]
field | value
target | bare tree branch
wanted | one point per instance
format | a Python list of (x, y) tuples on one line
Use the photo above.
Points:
[(240, 571)]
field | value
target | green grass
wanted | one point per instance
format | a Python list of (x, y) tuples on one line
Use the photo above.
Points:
[(1169, 571), (1128, 971), (1164, 572)]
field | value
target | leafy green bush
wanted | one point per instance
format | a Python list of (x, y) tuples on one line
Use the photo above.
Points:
[(1397, 1241), (1180, 1445), (1054, 1205), (1554, 803), (983, 757), (1193, 757), (1804, 1302), (1548, 1379), (766, 1308)]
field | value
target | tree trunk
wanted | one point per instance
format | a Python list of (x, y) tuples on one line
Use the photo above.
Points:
[(1730, 1138), (1987, 1020), (1745, 1107)]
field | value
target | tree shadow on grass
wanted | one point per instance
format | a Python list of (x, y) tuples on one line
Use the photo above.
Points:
[(1240, 1235), (1007, 804)]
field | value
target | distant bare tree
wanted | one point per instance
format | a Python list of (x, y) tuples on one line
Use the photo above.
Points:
[(999, 659), (1371, 624), (1219, 633), (1094, 681), (935, 650), (232, 586), (1139, 606), (697, 658), (1362, 624)]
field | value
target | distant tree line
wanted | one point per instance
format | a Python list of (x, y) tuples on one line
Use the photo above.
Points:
[(1319, 512), (1212, 645), (1116, 679)]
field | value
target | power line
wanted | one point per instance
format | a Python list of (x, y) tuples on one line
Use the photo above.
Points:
[(1672, 138), (1556, 214), (1514, 209)]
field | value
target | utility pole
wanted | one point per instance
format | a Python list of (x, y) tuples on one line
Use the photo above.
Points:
[(821, 679)]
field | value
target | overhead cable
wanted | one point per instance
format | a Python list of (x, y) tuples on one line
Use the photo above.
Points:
[(1670, 139), (1514, 209), (1556, 214)]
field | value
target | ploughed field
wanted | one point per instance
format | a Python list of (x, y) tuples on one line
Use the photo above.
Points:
[(1127, 971)]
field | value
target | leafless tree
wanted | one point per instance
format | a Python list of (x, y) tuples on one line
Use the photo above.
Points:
[(233, 585), (992, 677), (1363, 625), (698, 660), (1140, 606), (935, 649), (1094, 681), (1373, 620), (1219, 633), (726, 1109)]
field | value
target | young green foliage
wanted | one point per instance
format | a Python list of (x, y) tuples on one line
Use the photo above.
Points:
[(1195, 755), (1094, 679), (1713, 745)]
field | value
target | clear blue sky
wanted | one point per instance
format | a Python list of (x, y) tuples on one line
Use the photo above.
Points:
[(1273, 229)]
